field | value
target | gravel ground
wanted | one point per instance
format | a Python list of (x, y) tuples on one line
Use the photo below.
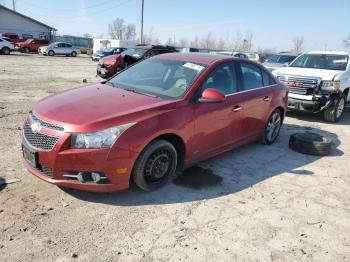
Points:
[(256, 203)]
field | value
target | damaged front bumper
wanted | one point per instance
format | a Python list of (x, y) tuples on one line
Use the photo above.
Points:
[(310, 103)]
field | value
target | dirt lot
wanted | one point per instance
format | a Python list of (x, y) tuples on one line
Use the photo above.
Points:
[(257, 203)]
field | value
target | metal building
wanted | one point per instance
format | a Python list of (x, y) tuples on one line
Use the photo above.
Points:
[(24, 26)]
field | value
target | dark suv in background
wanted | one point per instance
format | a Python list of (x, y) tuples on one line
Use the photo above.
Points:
[(110, 65)]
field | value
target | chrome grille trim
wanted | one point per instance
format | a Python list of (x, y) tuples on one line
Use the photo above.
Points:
[(45, 124), (39, 141), (308, 84)]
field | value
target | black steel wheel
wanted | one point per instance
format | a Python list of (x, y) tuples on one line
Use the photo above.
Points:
[(273, 127), (155, 165)]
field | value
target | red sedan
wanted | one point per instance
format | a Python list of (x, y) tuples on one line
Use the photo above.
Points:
[(163, 114)]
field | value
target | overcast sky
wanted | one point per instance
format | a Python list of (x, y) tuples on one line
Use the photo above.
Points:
[(323, 23)]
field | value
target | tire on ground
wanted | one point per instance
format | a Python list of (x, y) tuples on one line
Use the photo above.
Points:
[(138, 172), (310, 143)]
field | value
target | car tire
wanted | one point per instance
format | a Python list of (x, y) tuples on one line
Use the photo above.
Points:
[(273, 127), (26, 50), (51, 53), (5, 50), (335, 112), (73, 54), (310, 143), (155, 166)]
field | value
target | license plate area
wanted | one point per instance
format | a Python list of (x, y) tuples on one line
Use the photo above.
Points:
[(31, 157)]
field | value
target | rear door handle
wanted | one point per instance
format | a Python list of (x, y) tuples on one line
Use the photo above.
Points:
[(236, 108), (266, 98)]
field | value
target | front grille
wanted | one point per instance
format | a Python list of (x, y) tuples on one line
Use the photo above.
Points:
[(39, 141), (299, 85), (44, 123)]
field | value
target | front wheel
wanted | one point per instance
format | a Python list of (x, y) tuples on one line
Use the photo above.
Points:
[(334, 113), (51, 53), (273, 127), (155, 165), (26, 50), (5, 50), (74, 54)]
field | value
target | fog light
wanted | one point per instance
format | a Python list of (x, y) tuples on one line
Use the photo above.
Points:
[(96, 177), (84, 177)]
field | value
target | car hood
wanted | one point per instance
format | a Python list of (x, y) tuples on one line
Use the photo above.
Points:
[(96, 107), (111, 59), (272, 65), (307, 72)]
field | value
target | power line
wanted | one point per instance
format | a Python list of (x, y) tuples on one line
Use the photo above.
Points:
[(88, 14), (68, 9)]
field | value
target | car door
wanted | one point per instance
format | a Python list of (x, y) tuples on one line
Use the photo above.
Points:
[(217, 125), (58, 48), (68, 49), (34, 45), (257, 95)]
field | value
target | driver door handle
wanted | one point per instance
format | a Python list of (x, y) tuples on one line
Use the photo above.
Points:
[(266, 98), (236, 108)]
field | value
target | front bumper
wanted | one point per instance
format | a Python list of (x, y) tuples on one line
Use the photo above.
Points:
[(53, 166), (309, 103), (102, 72)]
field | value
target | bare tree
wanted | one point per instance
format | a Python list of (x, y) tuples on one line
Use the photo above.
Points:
[(208, 41), (346, 43), (88, 35), (195, 42), (169, 41), (150, 38), (221, 45), (247, 41), (298, 43), (130, 32), (116, 28), (183, 42)]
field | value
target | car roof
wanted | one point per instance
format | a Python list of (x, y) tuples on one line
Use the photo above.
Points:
[(203, 58), (329, 52)]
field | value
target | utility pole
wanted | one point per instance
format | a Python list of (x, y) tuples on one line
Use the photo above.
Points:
[(142, 21), (13, 5)]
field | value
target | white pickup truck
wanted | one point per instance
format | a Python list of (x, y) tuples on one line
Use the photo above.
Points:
[(318, 81)]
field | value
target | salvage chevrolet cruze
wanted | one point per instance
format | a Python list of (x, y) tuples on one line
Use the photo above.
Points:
[(162, 114)]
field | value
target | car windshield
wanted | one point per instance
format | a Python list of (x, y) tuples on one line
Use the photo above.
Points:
[(168, 79), (281, 59), (135, 52), (322, 61)]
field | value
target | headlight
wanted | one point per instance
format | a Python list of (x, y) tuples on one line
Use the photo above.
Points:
[(100, 139), (330, 85)]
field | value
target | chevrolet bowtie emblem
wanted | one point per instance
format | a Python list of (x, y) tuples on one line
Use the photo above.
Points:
[(35, 127)]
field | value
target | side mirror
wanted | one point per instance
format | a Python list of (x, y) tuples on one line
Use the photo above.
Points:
[(211, 95), (286, 64)]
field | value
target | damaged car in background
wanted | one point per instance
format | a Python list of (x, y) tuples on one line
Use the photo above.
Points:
[(110, 65), (318, 82)]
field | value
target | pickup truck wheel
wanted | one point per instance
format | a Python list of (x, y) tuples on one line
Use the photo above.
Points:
[(73, 54), (26, 50), (334, 113), (51, 53), (273, 127), (155, 165), (310, 143), (5, 50)]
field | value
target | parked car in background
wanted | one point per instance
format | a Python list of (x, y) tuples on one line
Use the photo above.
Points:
[(188, 50), (233, 53), (254, 57), (5, 46), (106, 52), (163, 114), (279, 60), (59, 48), (110, 65), (31, 45), (15, 37), (318, 82)]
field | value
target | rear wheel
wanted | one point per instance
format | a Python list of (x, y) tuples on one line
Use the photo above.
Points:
[(74, 54), (273, 127), (156, 164), (26, 50), (51, 53), (335, 112), (5, 50)]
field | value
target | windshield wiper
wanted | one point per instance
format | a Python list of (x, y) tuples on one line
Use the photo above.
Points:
[(139, 92)]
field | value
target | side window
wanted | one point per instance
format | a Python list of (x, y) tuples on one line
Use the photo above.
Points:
[(151, 53), (252, 77), (223, 78), (67, 45)]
